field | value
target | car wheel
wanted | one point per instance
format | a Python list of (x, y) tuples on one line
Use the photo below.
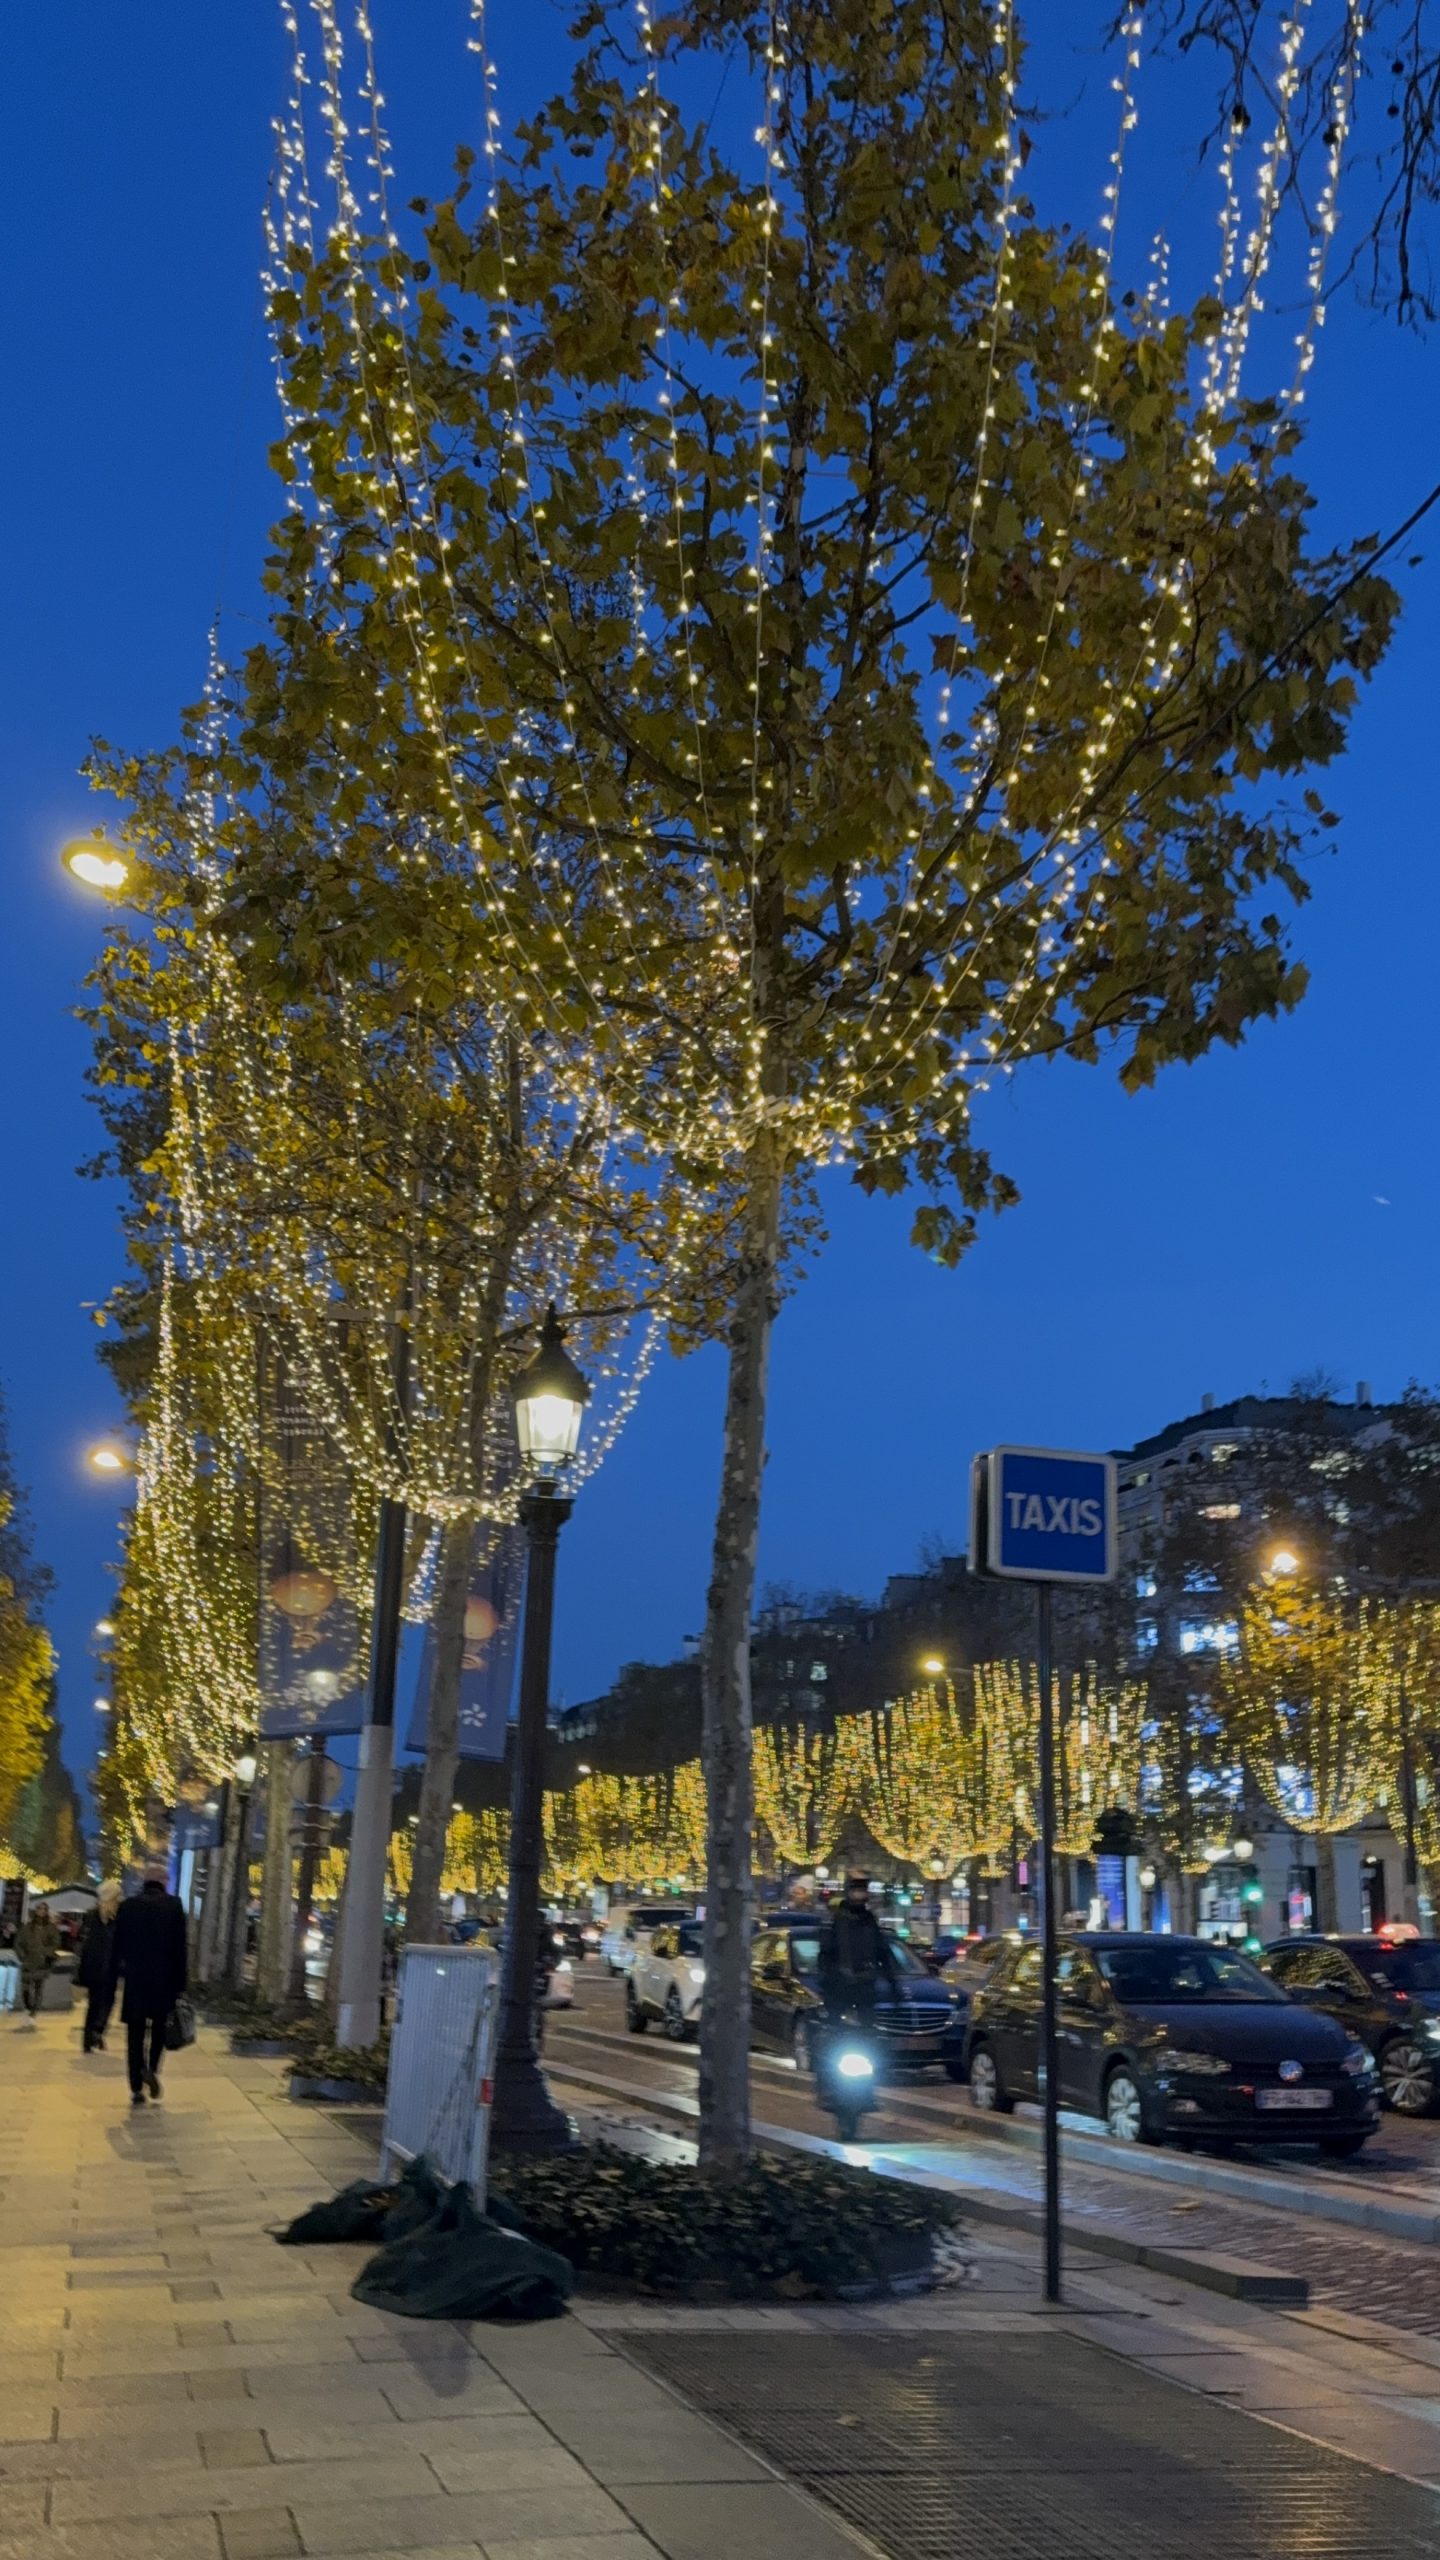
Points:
[(801, 2050), (635, 2018), (675, 2026), (1125, 2108), (987, 2090), (1407, 2077), (1343, 2146)]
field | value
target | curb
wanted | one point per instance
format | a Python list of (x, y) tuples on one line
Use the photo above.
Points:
[(1242, 2279)]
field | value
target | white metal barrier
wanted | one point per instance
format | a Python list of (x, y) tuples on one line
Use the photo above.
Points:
[(442, 2062)]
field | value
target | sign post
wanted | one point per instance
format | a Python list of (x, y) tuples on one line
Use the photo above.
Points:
[(1045, 1516)]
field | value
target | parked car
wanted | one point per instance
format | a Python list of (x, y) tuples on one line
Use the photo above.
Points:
[(666, 1980), (629, 1926), (971, 1966), (1167, 2036), (923, 2025), (1384, 1990)]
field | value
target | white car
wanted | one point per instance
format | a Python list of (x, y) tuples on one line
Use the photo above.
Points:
[(629, 1927), (666, 1980)]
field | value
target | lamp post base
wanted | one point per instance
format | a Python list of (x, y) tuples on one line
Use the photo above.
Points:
[(524, 2117)]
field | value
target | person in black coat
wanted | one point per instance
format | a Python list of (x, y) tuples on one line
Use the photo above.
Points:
[(92, 1970), (149, 1951), (855, 1955)]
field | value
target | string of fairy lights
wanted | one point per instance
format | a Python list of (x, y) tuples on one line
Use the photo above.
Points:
[(232, 1087), (943, 1778)]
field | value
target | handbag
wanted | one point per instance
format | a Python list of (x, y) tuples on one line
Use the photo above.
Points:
[(180, 2025)]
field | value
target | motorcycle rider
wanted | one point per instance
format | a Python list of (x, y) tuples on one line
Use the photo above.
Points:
[(854, 1955)]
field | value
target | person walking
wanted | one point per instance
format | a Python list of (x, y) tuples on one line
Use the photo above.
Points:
[(35, 1944), (148, 1949), (92, 1971)]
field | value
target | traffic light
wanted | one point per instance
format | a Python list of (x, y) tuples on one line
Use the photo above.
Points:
[(1254, 1891)]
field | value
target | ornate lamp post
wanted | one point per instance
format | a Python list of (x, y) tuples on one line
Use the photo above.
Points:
[(550, 1398)]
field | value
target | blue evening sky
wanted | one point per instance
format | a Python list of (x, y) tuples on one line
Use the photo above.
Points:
[(1267, 1211)]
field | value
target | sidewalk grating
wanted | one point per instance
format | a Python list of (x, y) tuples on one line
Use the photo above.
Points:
[(1043, 2449)]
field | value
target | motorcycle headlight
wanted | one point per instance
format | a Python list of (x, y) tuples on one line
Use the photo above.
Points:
[(1200, 2066), (854, 2066), (1356, 2059)]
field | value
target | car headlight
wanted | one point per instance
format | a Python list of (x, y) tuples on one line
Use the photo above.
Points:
[(1432, 2028), (697, 1974), (1356, 2059), (1205, 2066)]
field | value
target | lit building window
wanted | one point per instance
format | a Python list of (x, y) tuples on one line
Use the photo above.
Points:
[(1144, 1586), (1208, 1635), (1147, 1635), (1221, 1511)]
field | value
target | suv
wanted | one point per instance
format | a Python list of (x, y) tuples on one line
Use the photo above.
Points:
[(666, 1979), (1384, 1990), (629, 1926), (1173, 2036)]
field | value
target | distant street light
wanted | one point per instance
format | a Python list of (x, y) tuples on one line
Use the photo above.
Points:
[(934, 1664), (102, 1706), (104, 1626), (582, 1769), (1284, 1561), (107, 1458), (550, 1398), (96, 863), (1244, 1850)]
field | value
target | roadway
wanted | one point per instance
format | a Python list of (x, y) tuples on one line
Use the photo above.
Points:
[(1263, 2208)]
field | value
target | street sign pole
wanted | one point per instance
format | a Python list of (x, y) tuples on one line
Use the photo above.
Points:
[(1049, 1942), (1045, 1516)]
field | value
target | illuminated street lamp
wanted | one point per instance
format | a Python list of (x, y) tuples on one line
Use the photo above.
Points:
[(550, 1396), (96, 864), (1283, 1563), (104, 1626), (107, 1458), (932, 1664)]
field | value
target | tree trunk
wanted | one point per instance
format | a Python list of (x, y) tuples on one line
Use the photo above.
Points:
[(1326, 1893), (442, 1732), (219, 1932), (277, 1890), (725, 1685)]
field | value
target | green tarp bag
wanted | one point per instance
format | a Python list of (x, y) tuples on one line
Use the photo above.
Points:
[(462, 2264), (359, 2212)]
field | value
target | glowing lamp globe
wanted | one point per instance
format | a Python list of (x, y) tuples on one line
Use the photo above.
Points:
[(245, 1768), (96, 864), (481, 1619), (550, 1397), (303, 1595)]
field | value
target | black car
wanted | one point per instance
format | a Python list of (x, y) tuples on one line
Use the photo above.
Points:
[(923, 2025), (1172, 2036), (1386, 1991)]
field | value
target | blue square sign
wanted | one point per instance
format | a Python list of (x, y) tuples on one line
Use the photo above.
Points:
[(1045, 1515)]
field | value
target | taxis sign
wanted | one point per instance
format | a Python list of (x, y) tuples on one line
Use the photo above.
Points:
[(1044, 1515)]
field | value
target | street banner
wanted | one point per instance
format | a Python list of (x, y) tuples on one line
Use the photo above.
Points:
[(312, 1653), (487, 1670)]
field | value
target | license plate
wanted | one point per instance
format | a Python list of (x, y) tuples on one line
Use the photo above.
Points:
[(1311, 2100), (917, 2044)]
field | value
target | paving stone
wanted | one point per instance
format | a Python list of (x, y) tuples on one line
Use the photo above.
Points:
[(23, 2419), (767, 2522), (232, 2448), (609, 2546), (179, 2538), (426, 2394), (662, 2447), (200, 2492), (409, 2526), (266, 2535), (471, 2467), (325, 2442)]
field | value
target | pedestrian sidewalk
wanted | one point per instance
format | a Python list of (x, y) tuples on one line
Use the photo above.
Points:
[(174, 2386)]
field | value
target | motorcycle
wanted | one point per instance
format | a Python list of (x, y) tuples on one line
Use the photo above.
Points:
[(847, 2075)]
